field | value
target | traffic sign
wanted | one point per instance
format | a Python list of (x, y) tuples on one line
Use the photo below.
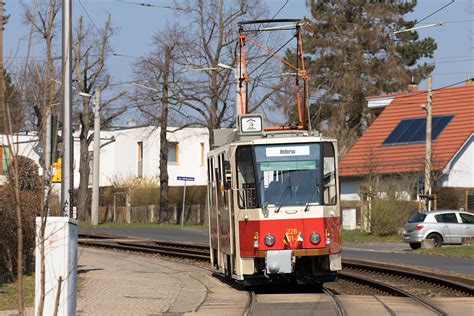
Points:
[(185, 178)]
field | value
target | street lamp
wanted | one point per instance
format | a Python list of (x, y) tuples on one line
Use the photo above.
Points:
[(96, 156), (145, 87), (238, 76), (419, 27)]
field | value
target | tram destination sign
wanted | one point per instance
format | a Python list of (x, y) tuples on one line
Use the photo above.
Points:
[(182, 178), (287, 151)]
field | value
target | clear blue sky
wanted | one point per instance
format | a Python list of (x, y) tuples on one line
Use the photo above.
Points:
[(135, 26)]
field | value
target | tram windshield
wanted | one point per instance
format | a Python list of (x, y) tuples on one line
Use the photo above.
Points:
[(279, 175)]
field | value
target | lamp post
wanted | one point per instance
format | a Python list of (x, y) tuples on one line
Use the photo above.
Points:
[(96, 157), (67, 183), (238, 76)]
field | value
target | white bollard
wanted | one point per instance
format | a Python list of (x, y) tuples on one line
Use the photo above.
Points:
[(60, 261)]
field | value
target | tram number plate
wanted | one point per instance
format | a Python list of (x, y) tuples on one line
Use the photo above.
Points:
[(292, 234)]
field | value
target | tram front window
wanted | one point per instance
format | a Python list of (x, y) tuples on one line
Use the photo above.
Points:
[(288, 174), (279, 175)]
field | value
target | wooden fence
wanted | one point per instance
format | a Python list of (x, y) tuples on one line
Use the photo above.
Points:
[(194, 214)]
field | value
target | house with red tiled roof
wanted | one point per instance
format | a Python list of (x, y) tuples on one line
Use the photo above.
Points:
[(394, 144)]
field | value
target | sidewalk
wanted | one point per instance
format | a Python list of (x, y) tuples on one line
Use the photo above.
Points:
[(117, 283)]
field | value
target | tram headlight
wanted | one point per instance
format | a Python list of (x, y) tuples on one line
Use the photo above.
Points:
[(315, 238), (269, 240)]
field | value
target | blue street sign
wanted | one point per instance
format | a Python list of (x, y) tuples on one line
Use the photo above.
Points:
[(185, 178)]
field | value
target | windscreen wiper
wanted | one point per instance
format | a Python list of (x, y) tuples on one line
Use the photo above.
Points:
[(285, 193), (312, 197)]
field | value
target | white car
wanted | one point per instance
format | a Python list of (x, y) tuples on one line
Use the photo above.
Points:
[(443, 226)]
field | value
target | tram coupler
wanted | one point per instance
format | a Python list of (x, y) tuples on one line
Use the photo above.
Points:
[(279, 261)]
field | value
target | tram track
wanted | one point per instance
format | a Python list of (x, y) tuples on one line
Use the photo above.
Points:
[(402, 275), (172, 249), (339, 307), (385, 279), (392, 290)]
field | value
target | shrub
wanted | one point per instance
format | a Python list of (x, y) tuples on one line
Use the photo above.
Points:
[(387, 216), (450, 198), (30, 201), (29, 179), (145, 191)]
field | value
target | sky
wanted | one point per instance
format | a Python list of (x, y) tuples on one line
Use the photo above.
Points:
[(135, 26)]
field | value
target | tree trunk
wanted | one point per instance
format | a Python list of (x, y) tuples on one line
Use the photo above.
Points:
[(163, 129), (84, 168), (84, 171)]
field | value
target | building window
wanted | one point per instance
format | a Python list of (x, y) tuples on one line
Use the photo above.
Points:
[(4, 159), (139, 159), (91, 166), (202, 154), (173, 150)]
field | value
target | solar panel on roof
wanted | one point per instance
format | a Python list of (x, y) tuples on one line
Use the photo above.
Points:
[(441, 123), (414, 130), (411, 130), (401, 127)]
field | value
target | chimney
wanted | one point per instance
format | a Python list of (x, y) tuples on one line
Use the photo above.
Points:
[(412, 88), (469, 82)]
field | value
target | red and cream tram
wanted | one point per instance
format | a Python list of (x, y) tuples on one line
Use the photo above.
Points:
[(273, 195), (274, 208)]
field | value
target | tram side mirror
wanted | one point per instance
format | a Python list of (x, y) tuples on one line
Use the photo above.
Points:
[(227, 175)]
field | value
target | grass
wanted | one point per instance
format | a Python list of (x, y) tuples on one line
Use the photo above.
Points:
[(358, 236), (458, 251), (8, 293), (141, 225)]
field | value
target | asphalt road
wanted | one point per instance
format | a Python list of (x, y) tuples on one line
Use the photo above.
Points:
[(394, 253)]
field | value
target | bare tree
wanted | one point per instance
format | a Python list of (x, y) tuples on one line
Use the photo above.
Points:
[(158, 70), (90, 54), (207, 95), (42, 16), (42, 95), (7, 123)]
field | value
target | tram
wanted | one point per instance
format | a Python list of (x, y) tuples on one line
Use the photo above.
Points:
[(273, 199)]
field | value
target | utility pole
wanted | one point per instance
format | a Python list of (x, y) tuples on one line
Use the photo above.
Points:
[(67, 181), (47, 159), (427, 107), (96, 160)]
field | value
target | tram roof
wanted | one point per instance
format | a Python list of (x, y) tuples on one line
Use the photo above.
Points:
[(225, 137)]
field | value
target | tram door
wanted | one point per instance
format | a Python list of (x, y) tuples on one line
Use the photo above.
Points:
[(223, 216), (212, 188)]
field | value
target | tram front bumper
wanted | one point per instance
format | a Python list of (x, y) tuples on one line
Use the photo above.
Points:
[(279, 261)]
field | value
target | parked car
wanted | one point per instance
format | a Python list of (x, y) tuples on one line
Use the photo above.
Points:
[(443, 226)]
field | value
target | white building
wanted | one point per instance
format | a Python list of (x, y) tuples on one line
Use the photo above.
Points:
[(133, 152)]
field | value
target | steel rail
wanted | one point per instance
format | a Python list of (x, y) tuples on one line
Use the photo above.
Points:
[(401, 272), (176, 252), (390, 290), (250, 305), (340, 311)]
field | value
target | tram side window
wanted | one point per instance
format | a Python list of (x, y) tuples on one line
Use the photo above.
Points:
[(329, 174), (221, 180), (247, 193), (211, 184)]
